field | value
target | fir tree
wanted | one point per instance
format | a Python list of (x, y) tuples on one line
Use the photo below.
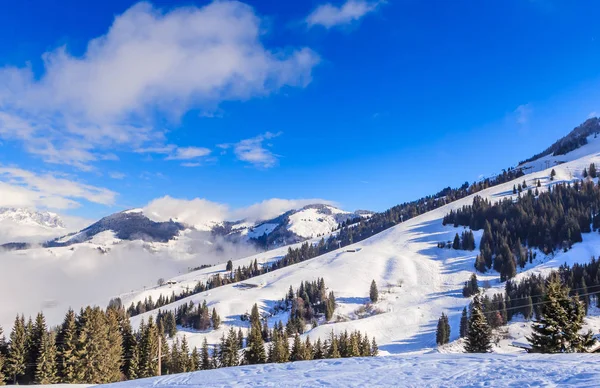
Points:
[(46, 370), (297, 353), (333, 351), (373, 292), (374, 348), (478, 333), (216, 319), (206, 362), (456, 242), (17, 352), (557, 330), (552, 174), (464, 323), (66, 341), (255, 352), (443, 330)]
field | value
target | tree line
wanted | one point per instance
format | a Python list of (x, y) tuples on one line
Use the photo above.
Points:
[(553, 220)]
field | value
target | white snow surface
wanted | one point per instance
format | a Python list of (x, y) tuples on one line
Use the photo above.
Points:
[(431, 370), (417, 281)]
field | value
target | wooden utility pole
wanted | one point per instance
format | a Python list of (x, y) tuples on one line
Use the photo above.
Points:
[(159, 355)]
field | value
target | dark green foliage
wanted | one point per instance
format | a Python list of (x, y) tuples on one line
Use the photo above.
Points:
[(464, 323), (17, 355), (46, 369), (557, 330), (552, 220), (373, 292), (471, 287), (66, 341), (479, 334), (442, 335)]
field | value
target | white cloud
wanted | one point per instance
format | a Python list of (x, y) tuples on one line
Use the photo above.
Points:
[(190, 164), (150, 61), (328, 15), (523, 114), (22, 188), (201, 212), (253, 150), (197, 211), (592, 115), (183, 153), (117, 175)]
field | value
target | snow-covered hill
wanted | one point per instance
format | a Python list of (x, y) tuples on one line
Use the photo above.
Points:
[(417, 280)]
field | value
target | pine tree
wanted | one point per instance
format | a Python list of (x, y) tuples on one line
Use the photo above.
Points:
[(35, 335), (456, 242), (374, 348), (373, 292), (440, 333), (478, 333), (255, 352), (66, 341), (592, 171), (443, 330), (46, 370), (216, 319), (17, 353), (552, 174), (206, 362), (2, 376), (297, 353), (464, 323), (333, 351), (557, 330), (195, 361), (113, 350)]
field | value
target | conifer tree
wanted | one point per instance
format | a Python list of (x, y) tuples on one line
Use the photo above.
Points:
[(66, 341), (552, 174), (206, 363), (479, 333), (2, 376), (17, 352), (333, 351), (557, 330), (318, 350), (297, 353), (216, 319), (374, 348), (113, 350), (255, 352), (195, 361), (46, 370), (464, 323), (456, 242), (443, 330), (373, 292)]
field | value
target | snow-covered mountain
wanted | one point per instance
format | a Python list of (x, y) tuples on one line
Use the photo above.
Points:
[(31, 217), (294, 226), (418, 281)]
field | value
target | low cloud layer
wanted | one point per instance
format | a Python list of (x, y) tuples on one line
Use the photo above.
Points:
[(201, 212)]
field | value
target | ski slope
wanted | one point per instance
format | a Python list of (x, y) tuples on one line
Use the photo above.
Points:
[(431, 370), (417, 280)]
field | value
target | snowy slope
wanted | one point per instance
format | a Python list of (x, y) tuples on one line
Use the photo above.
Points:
[(417, 280), (432, 370)]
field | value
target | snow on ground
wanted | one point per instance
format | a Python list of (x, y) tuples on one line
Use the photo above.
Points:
[(416, 279), (259, 230), (431, 370)]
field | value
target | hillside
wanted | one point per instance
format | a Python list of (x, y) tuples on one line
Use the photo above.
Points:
[(417, 280)]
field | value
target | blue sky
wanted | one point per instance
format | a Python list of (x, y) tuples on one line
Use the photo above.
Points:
[(109, 105)]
